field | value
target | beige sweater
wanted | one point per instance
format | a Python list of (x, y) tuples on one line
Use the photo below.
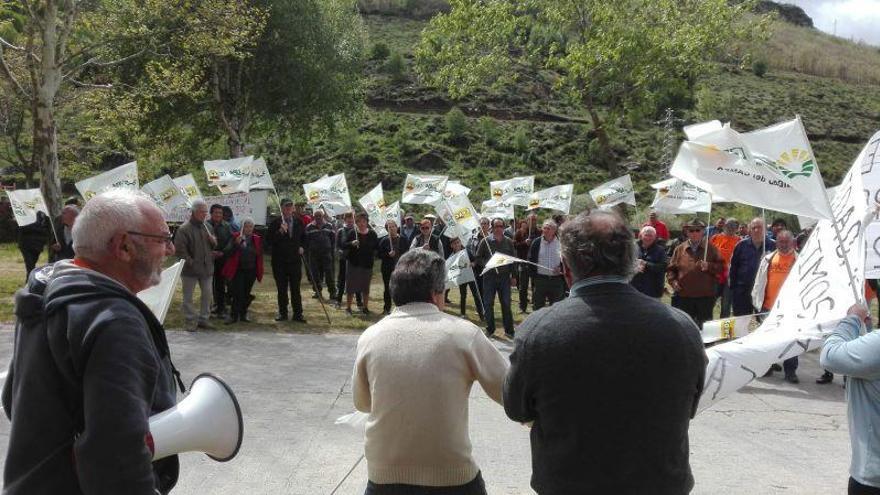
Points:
[(413, 374)]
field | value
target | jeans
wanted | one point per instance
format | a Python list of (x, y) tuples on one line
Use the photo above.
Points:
[(523, 277), (856, 488), (473, 487), (240, 288), (497, 283), (322, 269), (30, 260), (462, 292), (726, 303), (205, 289), (288, 277), (698, 308), (549, 289), (222, 291)]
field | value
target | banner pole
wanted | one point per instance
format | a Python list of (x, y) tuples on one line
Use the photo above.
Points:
[(306, 261), (708, 222)]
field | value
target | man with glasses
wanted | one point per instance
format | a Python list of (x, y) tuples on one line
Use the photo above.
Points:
[(195, 243), (692, 273), (498, 279), (91, 363), (744, 266), (426, 238)]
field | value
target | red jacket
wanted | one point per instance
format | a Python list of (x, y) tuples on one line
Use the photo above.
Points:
[(231, 265)]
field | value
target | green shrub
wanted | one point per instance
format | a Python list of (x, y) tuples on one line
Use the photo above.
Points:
[(396, 67), (489, 130), (379, 51), (759, 67), (519, 141), (456, 123)]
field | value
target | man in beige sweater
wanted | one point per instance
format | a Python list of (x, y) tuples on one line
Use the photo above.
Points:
[(413, 374)]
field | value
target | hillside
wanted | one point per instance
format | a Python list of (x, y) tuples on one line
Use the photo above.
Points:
[(526, 130)]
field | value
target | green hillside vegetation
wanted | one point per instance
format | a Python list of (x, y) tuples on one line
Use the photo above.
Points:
[(528, 130)]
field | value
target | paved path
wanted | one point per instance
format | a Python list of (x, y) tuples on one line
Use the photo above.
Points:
[(771, 438)]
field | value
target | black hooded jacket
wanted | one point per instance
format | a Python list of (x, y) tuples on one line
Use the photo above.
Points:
[(90, 366)]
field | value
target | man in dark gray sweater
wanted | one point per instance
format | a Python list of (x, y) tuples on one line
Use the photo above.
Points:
[(609, 377), (90, 363)]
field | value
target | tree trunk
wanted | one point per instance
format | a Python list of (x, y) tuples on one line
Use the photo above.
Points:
[(229, 105), (602, 136), (45, 83)]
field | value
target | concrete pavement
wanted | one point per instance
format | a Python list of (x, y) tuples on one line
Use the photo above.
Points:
[(771, 438)]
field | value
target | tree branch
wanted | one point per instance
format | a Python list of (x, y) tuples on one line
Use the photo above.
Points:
[(7, 72), (97, 63), (80, 84), (10, 45)]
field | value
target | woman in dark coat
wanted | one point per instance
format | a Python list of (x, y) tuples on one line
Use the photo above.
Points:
[(361, 254), (243, 266), (651, 267)]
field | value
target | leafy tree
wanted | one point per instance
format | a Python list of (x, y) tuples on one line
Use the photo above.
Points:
[(286, 66), (622, 55), (456, 123)]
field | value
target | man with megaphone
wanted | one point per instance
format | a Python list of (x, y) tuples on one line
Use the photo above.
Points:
[(91, 363)]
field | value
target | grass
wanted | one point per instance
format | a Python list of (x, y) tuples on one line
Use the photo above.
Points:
[(262, 310)]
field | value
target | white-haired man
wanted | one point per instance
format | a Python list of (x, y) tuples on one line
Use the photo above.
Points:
[(90, 363), (547, 277), (195, 243)]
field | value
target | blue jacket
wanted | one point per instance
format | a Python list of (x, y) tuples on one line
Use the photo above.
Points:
[(847, 353), (744, 263)]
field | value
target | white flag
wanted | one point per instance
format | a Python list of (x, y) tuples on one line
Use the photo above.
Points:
[(374, 202), (553, 198), (188, 187), (165, 193), (772, 168), (158, 298), (492, 209), (392, 213), (122, 177), (260, 178), (25, 205), (615, 191), (460, 217), (230, 171), (423, 189), (499, 259), (458, 270), (675, 196), (330, 193), (816, 294), (454, 189), (517, 190), (694, 131)]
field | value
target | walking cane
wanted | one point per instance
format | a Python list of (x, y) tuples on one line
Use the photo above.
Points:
[(308, 265)]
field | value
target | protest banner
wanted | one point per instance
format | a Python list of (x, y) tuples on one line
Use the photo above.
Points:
[(165, 193), (492, 209), (121, 177), (25, 205), (158, 298), (516, 191), (817, 292), (423, 189), (458, 270), (189, 189), (329, 193), (553, 198), (613, 192), (675, 197), (251, 204)]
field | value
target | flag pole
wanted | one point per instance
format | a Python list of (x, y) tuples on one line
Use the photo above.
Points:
[(708, 222), (859, 298)]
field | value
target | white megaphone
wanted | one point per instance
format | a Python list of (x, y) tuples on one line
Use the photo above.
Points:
[(207, 420)]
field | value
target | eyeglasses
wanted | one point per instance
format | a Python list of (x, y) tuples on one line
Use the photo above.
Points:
[(164, 238), (695, 230)]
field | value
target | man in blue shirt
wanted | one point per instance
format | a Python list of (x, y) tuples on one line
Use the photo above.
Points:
[(744, 267), (858, 357)]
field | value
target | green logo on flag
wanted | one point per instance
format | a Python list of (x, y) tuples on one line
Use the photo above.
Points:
[(794, 163)]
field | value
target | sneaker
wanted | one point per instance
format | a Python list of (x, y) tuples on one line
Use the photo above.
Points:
[(826, 378), (280, 317), (205, 325), (792, 378)]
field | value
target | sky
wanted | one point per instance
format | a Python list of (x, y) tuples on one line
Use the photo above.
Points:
[(856, 19)]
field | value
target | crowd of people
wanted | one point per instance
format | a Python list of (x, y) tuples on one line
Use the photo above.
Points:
[(607, 398)]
